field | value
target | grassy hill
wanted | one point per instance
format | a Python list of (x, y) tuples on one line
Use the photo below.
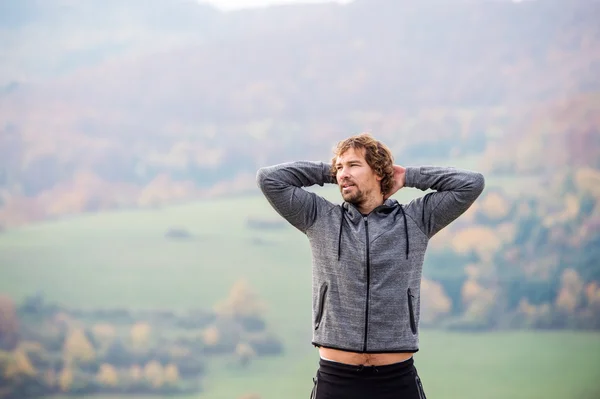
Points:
[(123, 258)]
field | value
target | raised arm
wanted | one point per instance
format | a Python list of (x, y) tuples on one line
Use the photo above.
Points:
[(455, 191), (282, 186)]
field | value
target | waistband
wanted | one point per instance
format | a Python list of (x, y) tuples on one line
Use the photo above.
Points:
[(343, 369)]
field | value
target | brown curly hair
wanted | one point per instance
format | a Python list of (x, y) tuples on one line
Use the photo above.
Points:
[(378, 156)]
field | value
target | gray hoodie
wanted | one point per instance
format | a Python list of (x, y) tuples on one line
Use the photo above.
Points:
[(367, 268)]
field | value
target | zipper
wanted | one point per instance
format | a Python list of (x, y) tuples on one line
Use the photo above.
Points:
[(413, 325), (368, 285), (321, 305)]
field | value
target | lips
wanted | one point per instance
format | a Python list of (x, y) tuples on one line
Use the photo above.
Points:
[(347, 186)]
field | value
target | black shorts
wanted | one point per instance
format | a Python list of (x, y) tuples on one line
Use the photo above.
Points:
[(344, 381)]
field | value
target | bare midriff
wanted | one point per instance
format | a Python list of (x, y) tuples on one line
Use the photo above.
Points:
[(365, 359)]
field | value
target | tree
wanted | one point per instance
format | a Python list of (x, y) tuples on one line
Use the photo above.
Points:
[(78, 349), (9, 324), (154, 374), (107, 375), (571, 292), (171, 374), (140, 335), (245, 353), (241, 302), (434, 301)]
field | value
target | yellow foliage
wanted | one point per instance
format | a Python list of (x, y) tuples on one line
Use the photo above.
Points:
[(107, 375), (154, 373), (568, 298), (20, 365), (572, 207), (531, 311), (478, 300), (23, 363), (441, 240), (211, 336), (136, 372), (244, 350), (434, 301), (495, 206), (571, 281), (140, 334), (242, 301), (31, 346), (506, 231), (568, 213), (592, 293), (9, 322), (104, 332), (588, 180), (171, 373), (526, 308), (78, 348), (470, 291), (65, 379), (482, 304), (480, 239)]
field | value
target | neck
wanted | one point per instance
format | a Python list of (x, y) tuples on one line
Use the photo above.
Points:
[(373, 202)]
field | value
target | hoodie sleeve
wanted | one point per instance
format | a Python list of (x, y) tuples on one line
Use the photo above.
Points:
[(455, 191), (283, 184)]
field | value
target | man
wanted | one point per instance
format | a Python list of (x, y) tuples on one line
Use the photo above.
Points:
[(367, 257)]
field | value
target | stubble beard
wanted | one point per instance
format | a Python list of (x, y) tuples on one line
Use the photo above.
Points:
[(356, 199)]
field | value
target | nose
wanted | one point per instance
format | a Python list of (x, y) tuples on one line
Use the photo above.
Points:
[(342, 173)]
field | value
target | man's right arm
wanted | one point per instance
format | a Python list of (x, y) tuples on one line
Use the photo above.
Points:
[(283, 184)]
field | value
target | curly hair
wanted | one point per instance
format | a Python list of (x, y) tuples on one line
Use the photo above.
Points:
[(378, 157)]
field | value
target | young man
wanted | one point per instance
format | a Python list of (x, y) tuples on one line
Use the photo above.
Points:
[(367, 259)]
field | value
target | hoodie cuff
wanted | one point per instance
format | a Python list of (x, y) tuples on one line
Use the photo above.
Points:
[(327, 177), (412, 177)]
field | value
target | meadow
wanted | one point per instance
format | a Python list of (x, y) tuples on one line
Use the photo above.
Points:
[(122, 259)]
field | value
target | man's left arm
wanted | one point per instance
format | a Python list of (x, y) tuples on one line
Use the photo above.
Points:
[(455, 190)]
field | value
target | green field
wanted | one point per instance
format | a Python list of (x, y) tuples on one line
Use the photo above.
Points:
[(123, 259)]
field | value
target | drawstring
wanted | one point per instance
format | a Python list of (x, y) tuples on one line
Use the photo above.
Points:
[(405, 229)]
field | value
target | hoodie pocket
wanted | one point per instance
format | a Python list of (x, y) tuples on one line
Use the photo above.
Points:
[(411, 313), (321, 305)]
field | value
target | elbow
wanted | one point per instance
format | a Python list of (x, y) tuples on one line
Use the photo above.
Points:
[(478, 183), (265, 178), (261, 178)]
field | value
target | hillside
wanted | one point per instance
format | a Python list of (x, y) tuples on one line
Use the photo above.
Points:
[(128, 105)]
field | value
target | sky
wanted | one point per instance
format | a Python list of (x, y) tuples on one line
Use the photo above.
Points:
[(227, 5)]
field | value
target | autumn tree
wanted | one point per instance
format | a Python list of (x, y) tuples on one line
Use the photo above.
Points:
[(154, 374), (9, 324), (107, 375), (242, 302), (245, 353), (434, 301), (77, 349)]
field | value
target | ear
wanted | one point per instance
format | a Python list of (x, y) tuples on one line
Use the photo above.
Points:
[(379, 178)]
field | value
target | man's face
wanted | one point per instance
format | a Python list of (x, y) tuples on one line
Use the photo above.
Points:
[(358, 182)]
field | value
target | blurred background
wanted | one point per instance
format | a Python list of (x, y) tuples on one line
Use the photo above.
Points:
[(139, 260)]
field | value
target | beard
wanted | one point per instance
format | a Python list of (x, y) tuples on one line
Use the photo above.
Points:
[(354, 197)]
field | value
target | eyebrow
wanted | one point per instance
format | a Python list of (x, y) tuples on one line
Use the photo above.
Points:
[(351, 161)]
